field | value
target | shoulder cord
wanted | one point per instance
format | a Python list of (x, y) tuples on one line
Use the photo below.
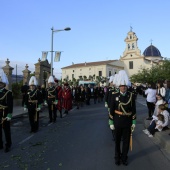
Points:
[(4, 95), (32, 95), (124, 104), (49, 92)]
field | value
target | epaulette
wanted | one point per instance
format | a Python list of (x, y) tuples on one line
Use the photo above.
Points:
[(114, 92)]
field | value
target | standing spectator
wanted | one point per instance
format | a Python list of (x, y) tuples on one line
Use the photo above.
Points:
[(161, 89), (59, 90), (24, 90), (150, 100), (99, 93), (33, 104), (167, 96), (73, 90), (88, 94), (135, 90), (94, 94), (6, 109), (67, 98), (77, 96), (82, 95)]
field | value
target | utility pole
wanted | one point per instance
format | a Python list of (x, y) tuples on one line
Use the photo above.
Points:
[(16, 73)]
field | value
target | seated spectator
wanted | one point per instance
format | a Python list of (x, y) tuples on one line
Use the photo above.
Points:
[(161, 111), (158, 102), (155, 125)]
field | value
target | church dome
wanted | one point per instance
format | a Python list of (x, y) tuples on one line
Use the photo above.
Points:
[(151, 51)]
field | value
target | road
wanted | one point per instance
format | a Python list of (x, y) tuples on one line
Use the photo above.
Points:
[(80, 141)]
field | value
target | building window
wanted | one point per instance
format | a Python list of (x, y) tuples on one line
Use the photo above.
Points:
[(80, 69), (133, 46), (100, 73), (128, 46), (89, 68), (130, 64), (110, 73), (72, 76), (73, 71)]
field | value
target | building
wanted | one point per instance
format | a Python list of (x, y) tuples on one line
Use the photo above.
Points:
[(91, 70), (131, 61)]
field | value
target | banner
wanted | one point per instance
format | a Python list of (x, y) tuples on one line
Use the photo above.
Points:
[(44, 55), (57, 56)]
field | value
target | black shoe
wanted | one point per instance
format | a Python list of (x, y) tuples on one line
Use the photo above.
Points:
[(125, 163), (77, 107), (35, 131), (7, 149), (149, 118), (117, 162), (50, 121)]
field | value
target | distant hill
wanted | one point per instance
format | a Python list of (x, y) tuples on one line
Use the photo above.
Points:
[(17, 78)]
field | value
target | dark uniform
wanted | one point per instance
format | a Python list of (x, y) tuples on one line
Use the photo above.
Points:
[(33, 101), (6, 109), (123, 111), (24, 90), (51, 98)]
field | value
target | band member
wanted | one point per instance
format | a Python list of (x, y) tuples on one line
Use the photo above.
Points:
[(6, 109), (123, 113), (24, 90), (59, 104), (67, 98), (109, 91), (33, 104), (52, 99)]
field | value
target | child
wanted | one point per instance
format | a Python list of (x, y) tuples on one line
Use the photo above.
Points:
[(159, 122), (162, 110), (155, 125)]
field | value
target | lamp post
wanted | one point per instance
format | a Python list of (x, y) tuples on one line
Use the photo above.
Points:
[(52, 33)]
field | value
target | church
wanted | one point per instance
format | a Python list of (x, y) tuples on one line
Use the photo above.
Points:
[(131, 61)]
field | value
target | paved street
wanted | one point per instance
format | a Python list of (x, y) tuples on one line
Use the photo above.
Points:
[(80, 141)]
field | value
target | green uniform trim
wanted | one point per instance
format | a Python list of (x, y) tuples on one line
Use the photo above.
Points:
[(9, 115), (134, 122), (111, 122)]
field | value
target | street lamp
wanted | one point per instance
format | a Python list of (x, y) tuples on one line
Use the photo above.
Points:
[(52, 31)]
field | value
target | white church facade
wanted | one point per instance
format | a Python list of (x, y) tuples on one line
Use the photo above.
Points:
[(131, 61)]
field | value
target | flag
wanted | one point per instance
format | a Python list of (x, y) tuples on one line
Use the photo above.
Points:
[(57, 56), (44, 55)]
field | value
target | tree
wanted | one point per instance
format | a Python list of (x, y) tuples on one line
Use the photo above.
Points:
[(158, 72), (85, 77)]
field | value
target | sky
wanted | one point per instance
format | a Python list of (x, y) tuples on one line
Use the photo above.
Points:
[(98, 30)]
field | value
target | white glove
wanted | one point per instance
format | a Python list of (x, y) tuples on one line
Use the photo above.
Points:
[(45, 103), (112, 127), (8, 118), (25, 109), (55, 103), (133, 127), (38, 109), (106, 105)]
